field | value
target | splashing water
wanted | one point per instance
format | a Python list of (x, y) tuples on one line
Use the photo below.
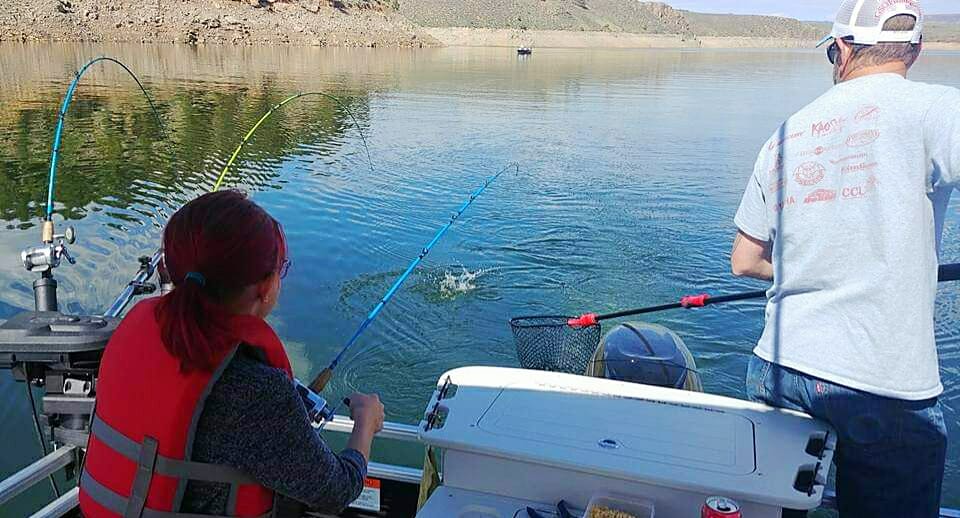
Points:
[(454, 284)]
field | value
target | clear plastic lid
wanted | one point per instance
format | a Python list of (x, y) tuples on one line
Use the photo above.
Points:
[(610, 506)]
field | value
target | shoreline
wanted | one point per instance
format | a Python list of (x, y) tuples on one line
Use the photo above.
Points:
[(482, 37)]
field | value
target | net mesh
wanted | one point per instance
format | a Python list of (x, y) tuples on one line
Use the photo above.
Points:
[(550, 344)]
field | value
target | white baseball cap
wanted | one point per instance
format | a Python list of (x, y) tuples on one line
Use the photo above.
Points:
[(863, 21)]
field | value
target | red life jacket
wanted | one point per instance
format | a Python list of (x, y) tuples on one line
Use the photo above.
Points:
[(138, 460)]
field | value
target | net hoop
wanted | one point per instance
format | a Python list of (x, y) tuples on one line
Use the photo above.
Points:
[(549, 343)]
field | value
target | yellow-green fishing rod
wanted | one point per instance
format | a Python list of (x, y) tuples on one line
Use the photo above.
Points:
[(246, 138), (149, 267)]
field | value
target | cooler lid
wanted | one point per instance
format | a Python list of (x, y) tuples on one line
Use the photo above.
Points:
[(686, 440), (622, 431)]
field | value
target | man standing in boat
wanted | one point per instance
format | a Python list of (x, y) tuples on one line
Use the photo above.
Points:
[(844, 213)]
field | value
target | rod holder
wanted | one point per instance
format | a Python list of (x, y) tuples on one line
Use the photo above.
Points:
[(45, 293)]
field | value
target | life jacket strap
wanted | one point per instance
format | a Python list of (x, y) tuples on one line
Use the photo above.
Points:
[(174, 468), (146, 464), (116, 503)]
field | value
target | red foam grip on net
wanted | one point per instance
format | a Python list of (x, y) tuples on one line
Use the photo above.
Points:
[(590, 319), (694, 301)]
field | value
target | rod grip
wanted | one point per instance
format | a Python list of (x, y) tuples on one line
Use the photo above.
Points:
[(47, 231), (320, 383)]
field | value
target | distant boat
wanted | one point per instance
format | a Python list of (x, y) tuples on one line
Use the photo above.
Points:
[(524, 51)]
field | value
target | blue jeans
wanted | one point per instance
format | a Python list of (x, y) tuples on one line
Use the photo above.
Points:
[(890, 453)]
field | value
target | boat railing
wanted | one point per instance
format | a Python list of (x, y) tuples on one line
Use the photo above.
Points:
[(66, 457), (29, 476)]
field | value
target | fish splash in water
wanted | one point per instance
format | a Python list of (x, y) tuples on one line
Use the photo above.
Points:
[(453, 284)]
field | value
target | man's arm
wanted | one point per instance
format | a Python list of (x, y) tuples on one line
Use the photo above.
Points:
[(751, 258), (942, 139)]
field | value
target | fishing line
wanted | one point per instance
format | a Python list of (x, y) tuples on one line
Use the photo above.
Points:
[(236, 152), (55, 154), (321, 381)]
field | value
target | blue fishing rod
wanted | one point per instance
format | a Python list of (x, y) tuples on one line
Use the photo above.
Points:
[(67, 99), (45, 258), (323, 379)]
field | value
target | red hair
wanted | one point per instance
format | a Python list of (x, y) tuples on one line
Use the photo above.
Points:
[(214, 247)]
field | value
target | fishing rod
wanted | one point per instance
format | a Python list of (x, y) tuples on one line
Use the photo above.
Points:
[(946, 273), (67, 99), (270, 112), (47, 257), (321, 381), (149, 264)]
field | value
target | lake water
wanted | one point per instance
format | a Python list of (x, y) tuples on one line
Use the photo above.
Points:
[(631, 167)]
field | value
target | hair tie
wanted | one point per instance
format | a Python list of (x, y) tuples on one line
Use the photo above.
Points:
[(196, 277)]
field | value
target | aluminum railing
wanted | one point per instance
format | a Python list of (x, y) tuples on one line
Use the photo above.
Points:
[(39, 470), (66, 456)]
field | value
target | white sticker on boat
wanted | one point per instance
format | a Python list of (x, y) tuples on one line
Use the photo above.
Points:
[(369, 499)]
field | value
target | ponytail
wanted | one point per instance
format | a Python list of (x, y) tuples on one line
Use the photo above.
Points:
[(214, 247)]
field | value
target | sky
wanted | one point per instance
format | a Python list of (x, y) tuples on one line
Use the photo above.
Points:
[(802, 9)]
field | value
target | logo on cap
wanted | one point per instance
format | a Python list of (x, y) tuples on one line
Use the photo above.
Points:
[(887, 5)]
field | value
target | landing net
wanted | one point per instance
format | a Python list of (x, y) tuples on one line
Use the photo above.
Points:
[(550, 344)]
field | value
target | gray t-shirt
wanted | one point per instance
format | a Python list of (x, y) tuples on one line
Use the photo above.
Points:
[(853, 191)]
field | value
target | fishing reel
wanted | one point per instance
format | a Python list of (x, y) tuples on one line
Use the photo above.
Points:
[(44, 259), (318, 410), (47, 256)]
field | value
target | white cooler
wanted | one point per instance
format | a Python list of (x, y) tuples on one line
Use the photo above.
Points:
[(515, 438)]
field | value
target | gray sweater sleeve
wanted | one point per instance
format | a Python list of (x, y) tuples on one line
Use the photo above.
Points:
[(254, 420)]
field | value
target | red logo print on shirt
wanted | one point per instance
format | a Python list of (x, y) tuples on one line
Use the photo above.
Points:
[(863, 138), (867, 113), (824, 128), (809, 173), (780, 142), (783, 204), (777, 163), (861, 191), (858, 156), (776, 185), (819, 150), (820, 195), (859, 168)]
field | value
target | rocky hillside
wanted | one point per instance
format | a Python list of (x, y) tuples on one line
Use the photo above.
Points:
[(302, 22), (570, 15), (598, 15), (743, 26), (405, 23)]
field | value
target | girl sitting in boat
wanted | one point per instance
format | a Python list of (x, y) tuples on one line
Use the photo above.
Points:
[(197, 412)]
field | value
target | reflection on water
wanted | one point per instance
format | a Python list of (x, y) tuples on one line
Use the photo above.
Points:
[(632, 164)]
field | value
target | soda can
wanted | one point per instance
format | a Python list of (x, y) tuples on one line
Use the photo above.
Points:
[(720, 507)]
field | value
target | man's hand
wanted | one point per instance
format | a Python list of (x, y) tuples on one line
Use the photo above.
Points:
[(366, 410), (751, 258)]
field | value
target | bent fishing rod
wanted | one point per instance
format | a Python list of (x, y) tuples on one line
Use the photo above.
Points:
[(281, 104), (946, 273), (45, 258), (149, 264), (323, 379), (64, 107)]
